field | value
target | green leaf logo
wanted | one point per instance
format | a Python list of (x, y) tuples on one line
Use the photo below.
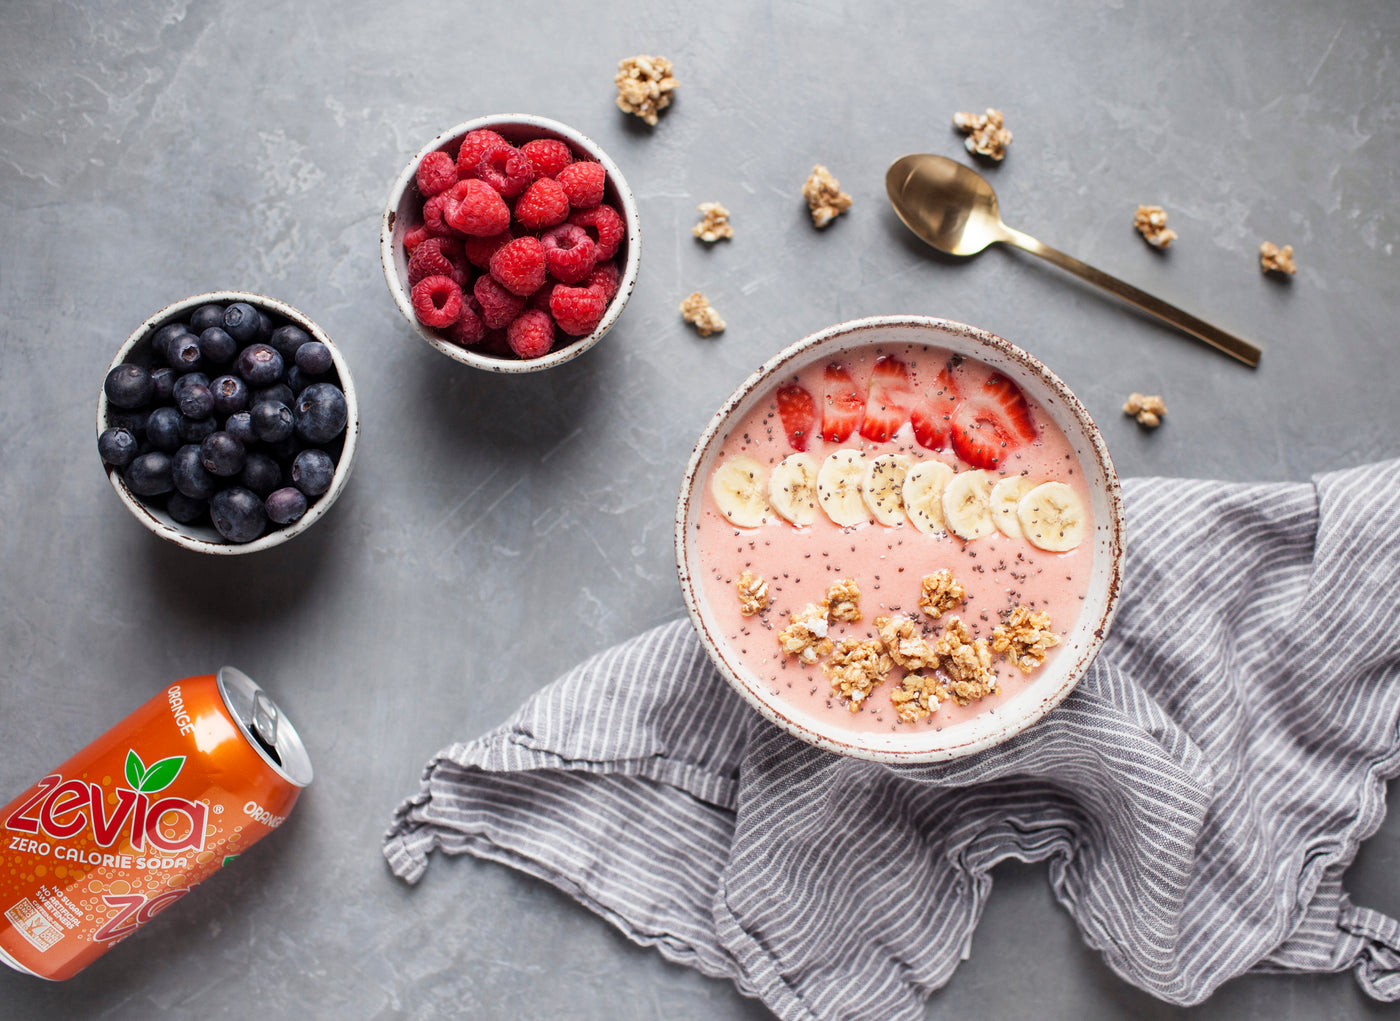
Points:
[(161, 774), (135, 770)]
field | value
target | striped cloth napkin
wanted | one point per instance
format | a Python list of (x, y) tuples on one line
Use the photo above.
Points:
[(1198, 797)]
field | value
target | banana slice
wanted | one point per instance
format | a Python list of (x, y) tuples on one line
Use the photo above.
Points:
[(1053, 517), (1006, 494), (838, 487), (923, 494), (792, 488), (883, 487), (967, 507), (738, 487)]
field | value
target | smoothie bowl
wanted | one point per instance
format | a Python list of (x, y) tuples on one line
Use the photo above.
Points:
[(901, 539)]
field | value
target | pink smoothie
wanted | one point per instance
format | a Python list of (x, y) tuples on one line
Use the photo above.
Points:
[(888, 562)]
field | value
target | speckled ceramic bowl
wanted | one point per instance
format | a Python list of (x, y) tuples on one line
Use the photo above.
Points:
[(404, 210), (1050, 684), (202, 538)]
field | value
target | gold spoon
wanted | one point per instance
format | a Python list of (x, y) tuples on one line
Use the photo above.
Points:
[(954, 209)]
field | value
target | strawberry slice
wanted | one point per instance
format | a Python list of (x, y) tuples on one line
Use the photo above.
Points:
[(887, 407), (844, 404), (1007, 395), (932, 415), (798, 411), (990, 424)]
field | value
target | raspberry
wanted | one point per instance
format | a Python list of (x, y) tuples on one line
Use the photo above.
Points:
[(547, 155), (473, 145), (543, 205), (479, 250), (531, 334), (414, 236), (577, 310), (495, 343), (437, 301), (569, 253), (436, 173), (430, 260), (518, 266), (433, 209), (505, 168), (605, 225), (540, 299), (468, 329), (474, 207), (583, 183), (604, 279), (498, 306)]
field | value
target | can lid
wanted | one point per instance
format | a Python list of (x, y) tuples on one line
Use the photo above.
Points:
[(269, 732)]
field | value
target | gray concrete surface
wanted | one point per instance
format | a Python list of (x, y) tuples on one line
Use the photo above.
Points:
[(497, 530)]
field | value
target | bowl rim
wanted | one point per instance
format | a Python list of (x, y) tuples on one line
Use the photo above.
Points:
[(850, 743), (398, 286), (172, 531)]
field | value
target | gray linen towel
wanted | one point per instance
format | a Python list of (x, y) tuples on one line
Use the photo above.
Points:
[(1198, 796)]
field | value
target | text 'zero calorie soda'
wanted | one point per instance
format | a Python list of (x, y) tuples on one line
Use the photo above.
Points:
[(130, 824)]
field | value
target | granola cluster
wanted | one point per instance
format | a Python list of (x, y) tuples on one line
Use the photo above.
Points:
[(824, 196), (1148, 409), (856, 668), (940, 592), (715, 225), (696, 309), (805, 637), (986, 133), (644, 86), (1024, 638), (917, 696), (753, 593), (967, 663), (1151, 222), (905, 643), (1273, 259), (842, 600)]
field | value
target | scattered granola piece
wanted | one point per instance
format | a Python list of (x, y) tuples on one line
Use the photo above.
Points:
[(696, 309), (968, 663), (987, 134), (715, 226), (940, 592), (1151, 222), (806, 637), (1024, 638), (905, 643), (753, 593), (1148, 409), (824, 196), (644, 86), (917, 696), (1273, 259), (856, 669), (842, 600)]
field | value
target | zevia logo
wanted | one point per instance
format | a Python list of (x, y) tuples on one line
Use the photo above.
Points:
[(64, 808)]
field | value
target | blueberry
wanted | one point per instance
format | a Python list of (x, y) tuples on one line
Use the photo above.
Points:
[(239, 516), (206, 316), (163, 429), (285, 506), (160, 340), (128, 386), (217, 346), (183, 353), (242, 323), (295, 380), (279, 392), (240, 427), (312, 472), (195, 401), (264, 327), (230, 395), (196, 430), (261, 473), (185, 509), (314, 358), (189, 475), (321, 413), (117, 447), (133, 422), (285, 450), (287, 339), (162, 383), (149, 474), (222, 454), (260, 365), (272, 421)]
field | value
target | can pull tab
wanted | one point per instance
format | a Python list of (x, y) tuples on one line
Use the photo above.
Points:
[(265, 720)]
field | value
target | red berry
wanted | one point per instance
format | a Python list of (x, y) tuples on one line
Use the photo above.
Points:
[(437, 301), (496, 343), (932, 416), (991, 423), (433, 209), (569, 253), (604, 279), (474, 207), (505, 168), (473, 145), (436, 173), (531, 334), (548, 155), (540, 299), (430, 260), (798, 411), (844, 405), (518, 266), (887, 406), (478, 251), (583, 183), (577, 310), (468, 329), (498, 306), (413, 237), (1008, 397), (543, 205), (606, 227)]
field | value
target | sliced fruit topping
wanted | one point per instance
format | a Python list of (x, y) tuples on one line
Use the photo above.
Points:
[(1006, 494), (844, 404), (967, 507), (887, 407), (838, 487), (792, 488), (798, 411), (932, 416), (1007, 396), (923, 494), (979, 437), (1053, 517), (739, 486), (883, 486)]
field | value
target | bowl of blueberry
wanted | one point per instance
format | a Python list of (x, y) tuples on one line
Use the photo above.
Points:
[(227, 423), (511, 243)]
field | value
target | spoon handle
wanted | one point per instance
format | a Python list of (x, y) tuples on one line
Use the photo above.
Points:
[(1233, 346)]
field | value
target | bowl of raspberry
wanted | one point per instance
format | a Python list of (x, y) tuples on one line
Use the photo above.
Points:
[(511, 243), (227, 423)]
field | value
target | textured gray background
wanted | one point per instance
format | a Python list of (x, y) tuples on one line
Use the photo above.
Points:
[(496, 530)]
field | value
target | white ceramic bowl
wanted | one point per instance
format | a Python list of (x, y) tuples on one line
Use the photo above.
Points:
[(1049, 685), (203, 538), (404, 210)]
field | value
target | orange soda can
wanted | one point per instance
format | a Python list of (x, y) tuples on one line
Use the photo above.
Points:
[(135, 820)]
